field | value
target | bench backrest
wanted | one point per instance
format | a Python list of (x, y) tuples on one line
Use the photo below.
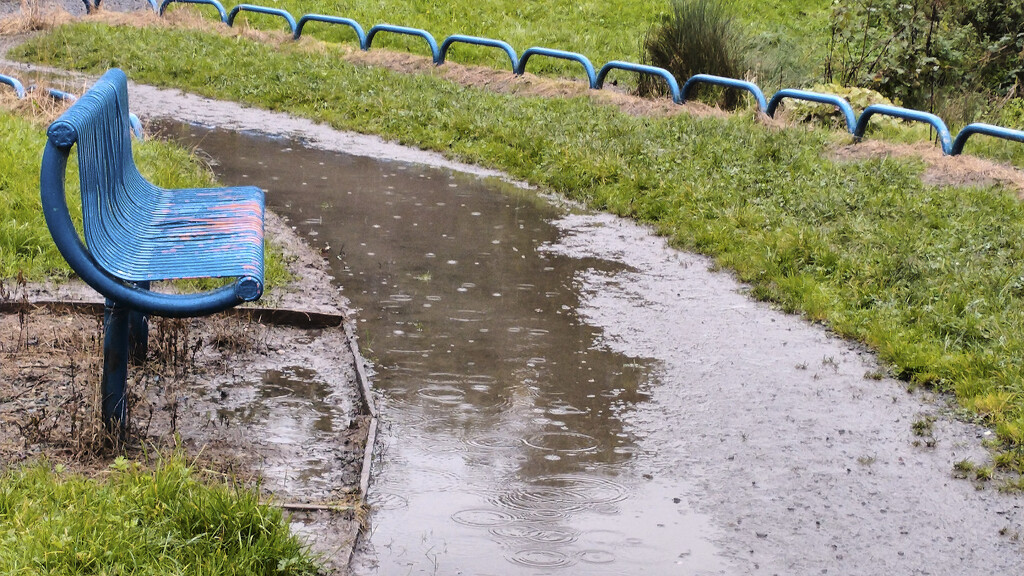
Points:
[(111, 186)]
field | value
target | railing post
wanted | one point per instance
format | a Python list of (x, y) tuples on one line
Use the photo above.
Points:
[(116, 321)]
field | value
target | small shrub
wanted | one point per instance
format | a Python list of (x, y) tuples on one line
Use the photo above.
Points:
[(1012, 114), (697, 37)]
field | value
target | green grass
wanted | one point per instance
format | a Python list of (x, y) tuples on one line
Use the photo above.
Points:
[(26, 248), (781, 31), (787, 41), (139, 521), (25, 244), (930, 277)]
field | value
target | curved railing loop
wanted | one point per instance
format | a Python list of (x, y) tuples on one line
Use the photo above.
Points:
[(550, 52), (987, 130), (133, 121), (434, 50), (479, 42), (332, 20), (61, 95), (136, 126), (673, 86), (19, 89), (262, 10), (728, 83), (220, 7), (837, 101), (945, 140), (856, 126)]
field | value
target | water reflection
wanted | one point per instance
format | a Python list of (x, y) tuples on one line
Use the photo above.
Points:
[(292, 409), (505, 421)]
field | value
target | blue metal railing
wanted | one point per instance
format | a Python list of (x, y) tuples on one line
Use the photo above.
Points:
[(19, 89), (987, 130), (837, 101), (133, 120), (673, 86), (945, 140), (856, 126), (479, 42), (434, 50), (332, 20), (728, 83), (220, 7), (61, 95), (591, 75), (262, 10)]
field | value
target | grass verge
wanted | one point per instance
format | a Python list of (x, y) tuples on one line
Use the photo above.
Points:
[(139, 521), (26, 248), (930, 277)]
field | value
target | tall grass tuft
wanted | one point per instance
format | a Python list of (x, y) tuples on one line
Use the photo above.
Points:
[(697, 37)]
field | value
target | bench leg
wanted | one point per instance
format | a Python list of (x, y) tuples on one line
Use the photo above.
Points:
[(138, 333), (116, 321)]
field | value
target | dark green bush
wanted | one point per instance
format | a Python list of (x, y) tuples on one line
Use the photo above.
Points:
[(696, 37), (924, 53)]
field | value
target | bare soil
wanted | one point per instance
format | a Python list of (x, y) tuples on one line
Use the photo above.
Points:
[(208, 388)]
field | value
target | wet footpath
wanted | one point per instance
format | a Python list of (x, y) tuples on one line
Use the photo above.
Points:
[(563, 393)]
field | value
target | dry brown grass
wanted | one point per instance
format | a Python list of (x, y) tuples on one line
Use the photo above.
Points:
[(37, 106), (504, 82), (34, 16), (940, 170)]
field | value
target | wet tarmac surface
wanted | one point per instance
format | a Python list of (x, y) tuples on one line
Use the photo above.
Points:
[(561, 393)]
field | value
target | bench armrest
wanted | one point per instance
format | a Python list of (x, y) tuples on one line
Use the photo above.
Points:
[(65, 236)]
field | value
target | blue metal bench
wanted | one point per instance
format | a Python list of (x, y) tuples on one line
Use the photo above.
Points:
[(136, 233)]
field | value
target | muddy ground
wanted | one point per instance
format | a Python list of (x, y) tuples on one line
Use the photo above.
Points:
[(269, 400)]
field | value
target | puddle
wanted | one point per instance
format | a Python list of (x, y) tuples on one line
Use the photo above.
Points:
[(504, 433), (295, 410), (564, 394)]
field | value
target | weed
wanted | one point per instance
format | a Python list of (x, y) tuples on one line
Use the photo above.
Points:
[(876, 374), (963, 468), (924, 426), (983, 473)]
